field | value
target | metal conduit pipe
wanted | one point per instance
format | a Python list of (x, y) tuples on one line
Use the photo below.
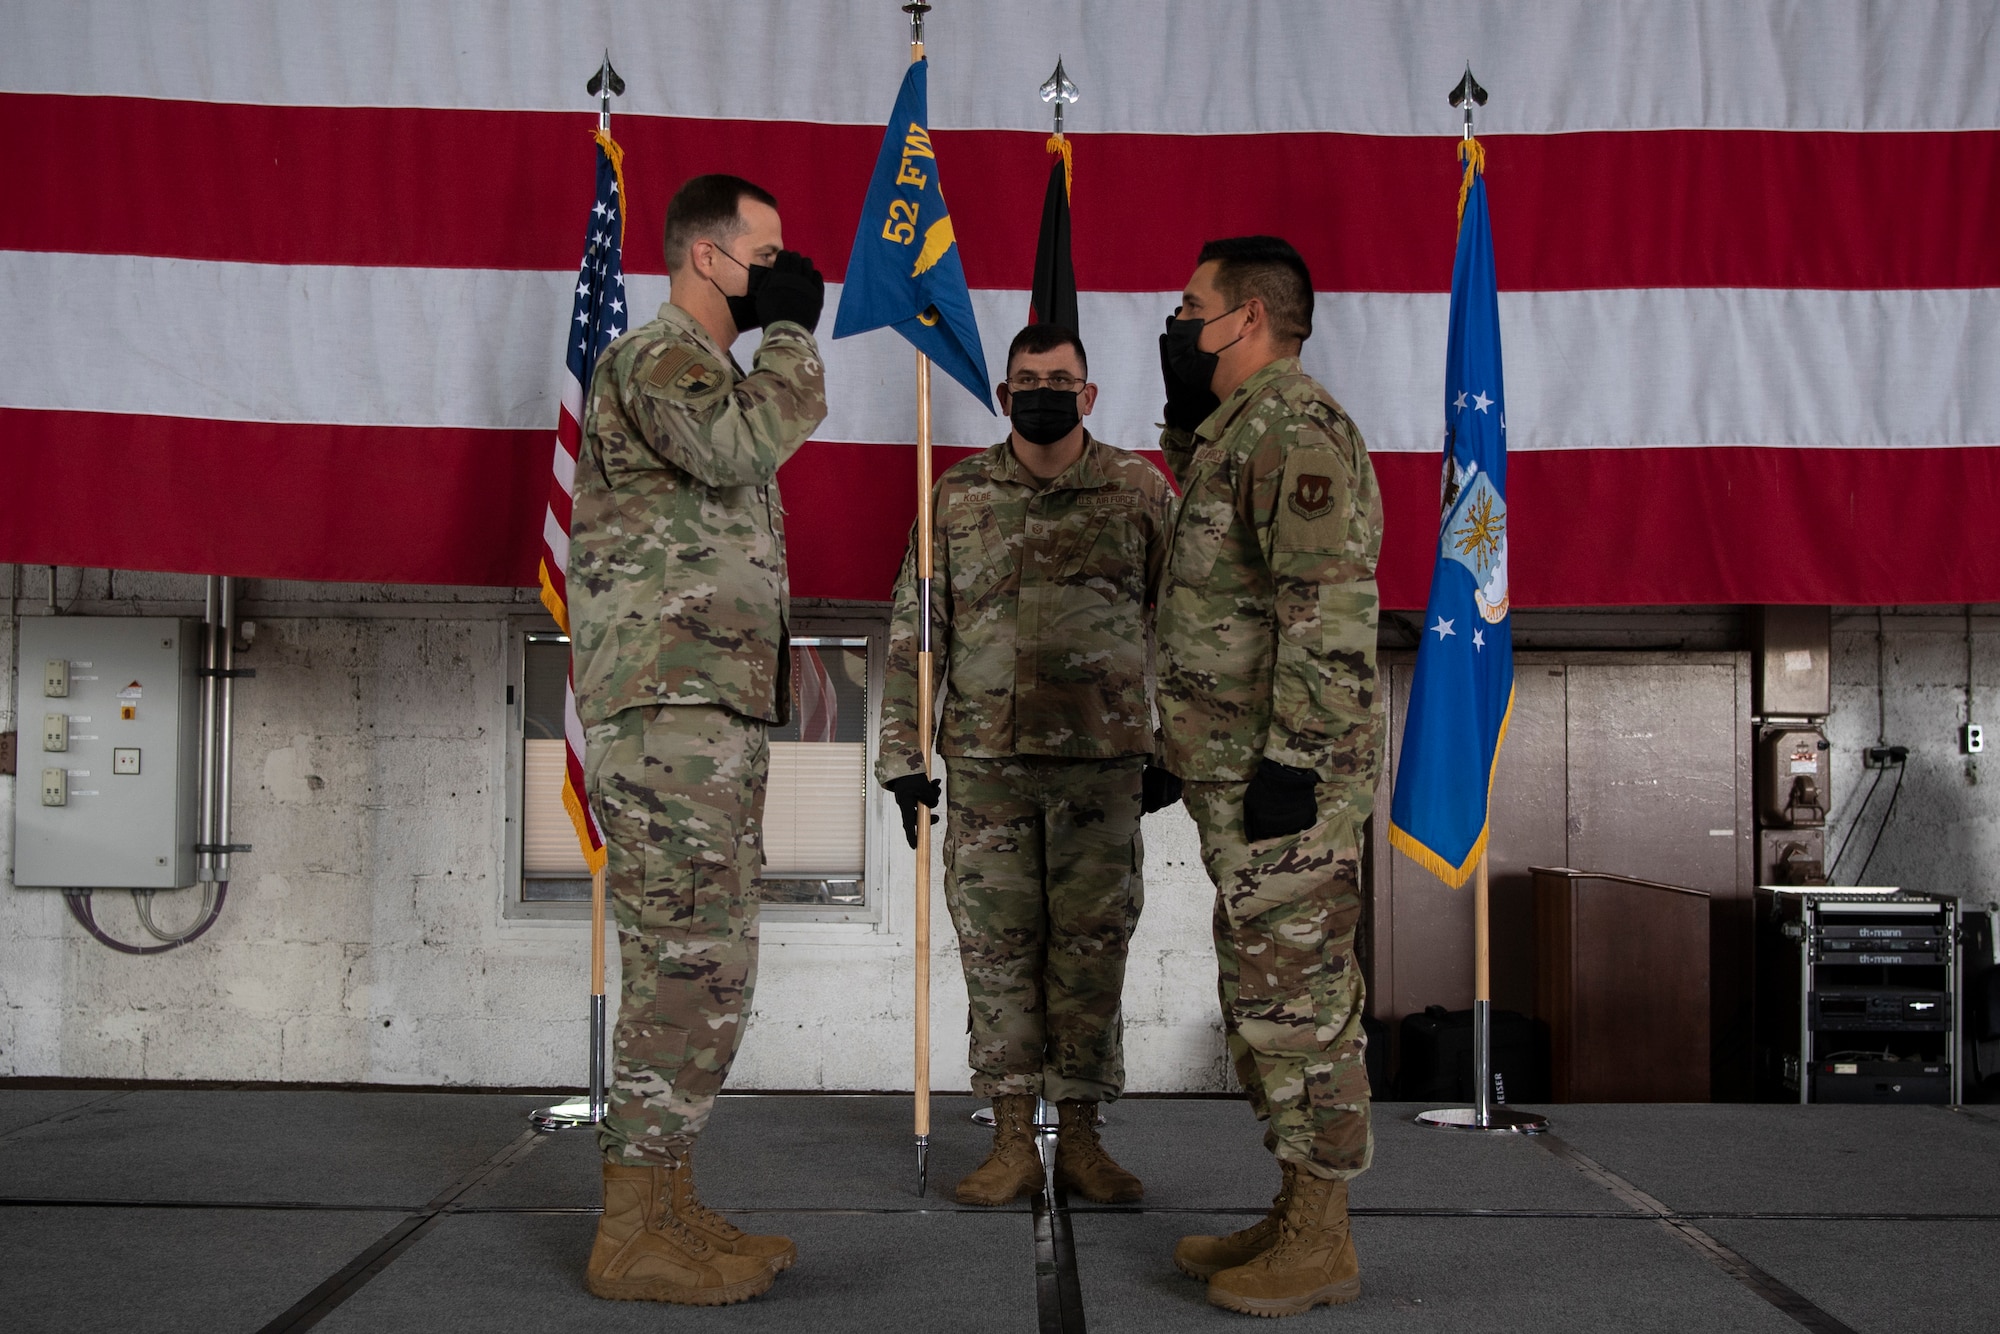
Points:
[(225, 728), (204, 860)]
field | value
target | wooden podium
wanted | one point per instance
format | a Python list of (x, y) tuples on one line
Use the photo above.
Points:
[(1623, 984)]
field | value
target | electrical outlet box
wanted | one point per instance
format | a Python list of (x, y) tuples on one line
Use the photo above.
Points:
[(102, 820), (55, 731), (1971, 739)]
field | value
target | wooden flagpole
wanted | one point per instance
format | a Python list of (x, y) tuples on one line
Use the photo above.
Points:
[(916, 10), (604, 85)]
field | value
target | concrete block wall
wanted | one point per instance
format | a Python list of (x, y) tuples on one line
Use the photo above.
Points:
[(365, 940), (1944, 835)]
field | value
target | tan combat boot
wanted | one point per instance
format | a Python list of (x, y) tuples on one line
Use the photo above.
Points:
[(1312, 1265), (1082, 1165), (1014, 1168), (1204, 1257), (712, 1227), (646, 1253)]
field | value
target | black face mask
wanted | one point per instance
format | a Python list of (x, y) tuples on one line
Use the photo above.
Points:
[(743, 309), (1192, 366), (1044, 416)]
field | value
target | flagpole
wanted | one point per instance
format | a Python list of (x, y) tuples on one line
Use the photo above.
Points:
[(916, 9), (1483, 1114), (591, 1109), (608, 83)]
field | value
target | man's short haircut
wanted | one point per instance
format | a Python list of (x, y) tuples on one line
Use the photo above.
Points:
[(1270, 270), (708, 208), (1046, 338)]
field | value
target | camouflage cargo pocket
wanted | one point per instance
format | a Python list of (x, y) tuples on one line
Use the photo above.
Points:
[(666, 894)]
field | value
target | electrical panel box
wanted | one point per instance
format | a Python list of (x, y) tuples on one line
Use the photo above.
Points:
[(1792, 661), (1794, 778), (120, 703)]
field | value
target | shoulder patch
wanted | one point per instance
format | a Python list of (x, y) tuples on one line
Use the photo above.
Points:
[(1314, 496), (684, 371), (1311, 495)]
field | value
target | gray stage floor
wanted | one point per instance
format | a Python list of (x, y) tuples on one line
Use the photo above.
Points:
[(256, 1210)]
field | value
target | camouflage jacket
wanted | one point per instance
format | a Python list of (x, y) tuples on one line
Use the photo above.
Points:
[(1040, 611), (1267, 616), (677, 587)]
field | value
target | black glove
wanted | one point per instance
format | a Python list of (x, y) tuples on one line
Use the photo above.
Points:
[(1188, 405), (794, 292), (1279, 801), (1158, 789), (911, 791)]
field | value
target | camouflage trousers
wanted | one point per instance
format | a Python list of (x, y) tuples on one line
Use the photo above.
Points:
[(1292, 996), (679, 790), (1043, 876)]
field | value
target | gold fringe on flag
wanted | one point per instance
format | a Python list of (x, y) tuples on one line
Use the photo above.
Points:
[(1455, 876), (552, 599), (1060, 144), (1473, 154), (617, 156)]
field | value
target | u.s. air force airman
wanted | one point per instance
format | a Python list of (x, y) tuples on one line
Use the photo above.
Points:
[(1049, 548), (678, 600), (1267, 702)]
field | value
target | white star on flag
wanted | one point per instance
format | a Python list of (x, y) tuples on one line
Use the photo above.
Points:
[(1482, 402), (1479, 639), (1459, 402), (1442, 628)]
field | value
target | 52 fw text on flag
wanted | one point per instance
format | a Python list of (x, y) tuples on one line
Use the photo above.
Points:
[(905, 273)]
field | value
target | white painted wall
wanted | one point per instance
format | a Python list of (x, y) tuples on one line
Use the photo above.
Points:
[(364, 939)]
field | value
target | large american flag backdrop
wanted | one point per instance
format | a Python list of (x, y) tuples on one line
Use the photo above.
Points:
[(287, 286)]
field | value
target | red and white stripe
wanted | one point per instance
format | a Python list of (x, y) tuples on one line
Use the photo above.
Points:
[(555, 596), (297, 280)]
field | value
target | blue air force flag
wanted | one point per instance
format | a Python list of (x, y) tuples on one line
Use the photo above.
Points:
[(1463, 689), (904, 271)]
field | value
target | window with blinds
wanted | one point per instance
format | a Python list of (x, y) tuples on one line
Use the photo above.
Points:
[(815, 806), (815, 810), (552, 865)]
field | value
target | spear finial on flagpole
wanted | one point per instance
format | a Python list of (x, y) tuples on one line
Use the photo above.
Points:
[(1059, 91), (605, 85), (916, 9), (1469, 94)]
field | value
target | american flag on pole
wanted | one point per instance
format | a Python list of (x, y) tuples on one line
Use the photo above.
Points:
[(596, 317)]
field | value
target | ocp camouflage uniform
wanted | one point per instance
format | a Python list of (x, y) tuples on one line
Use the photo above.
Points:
[(678, 599), (1267, 650), (1040, 626)]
